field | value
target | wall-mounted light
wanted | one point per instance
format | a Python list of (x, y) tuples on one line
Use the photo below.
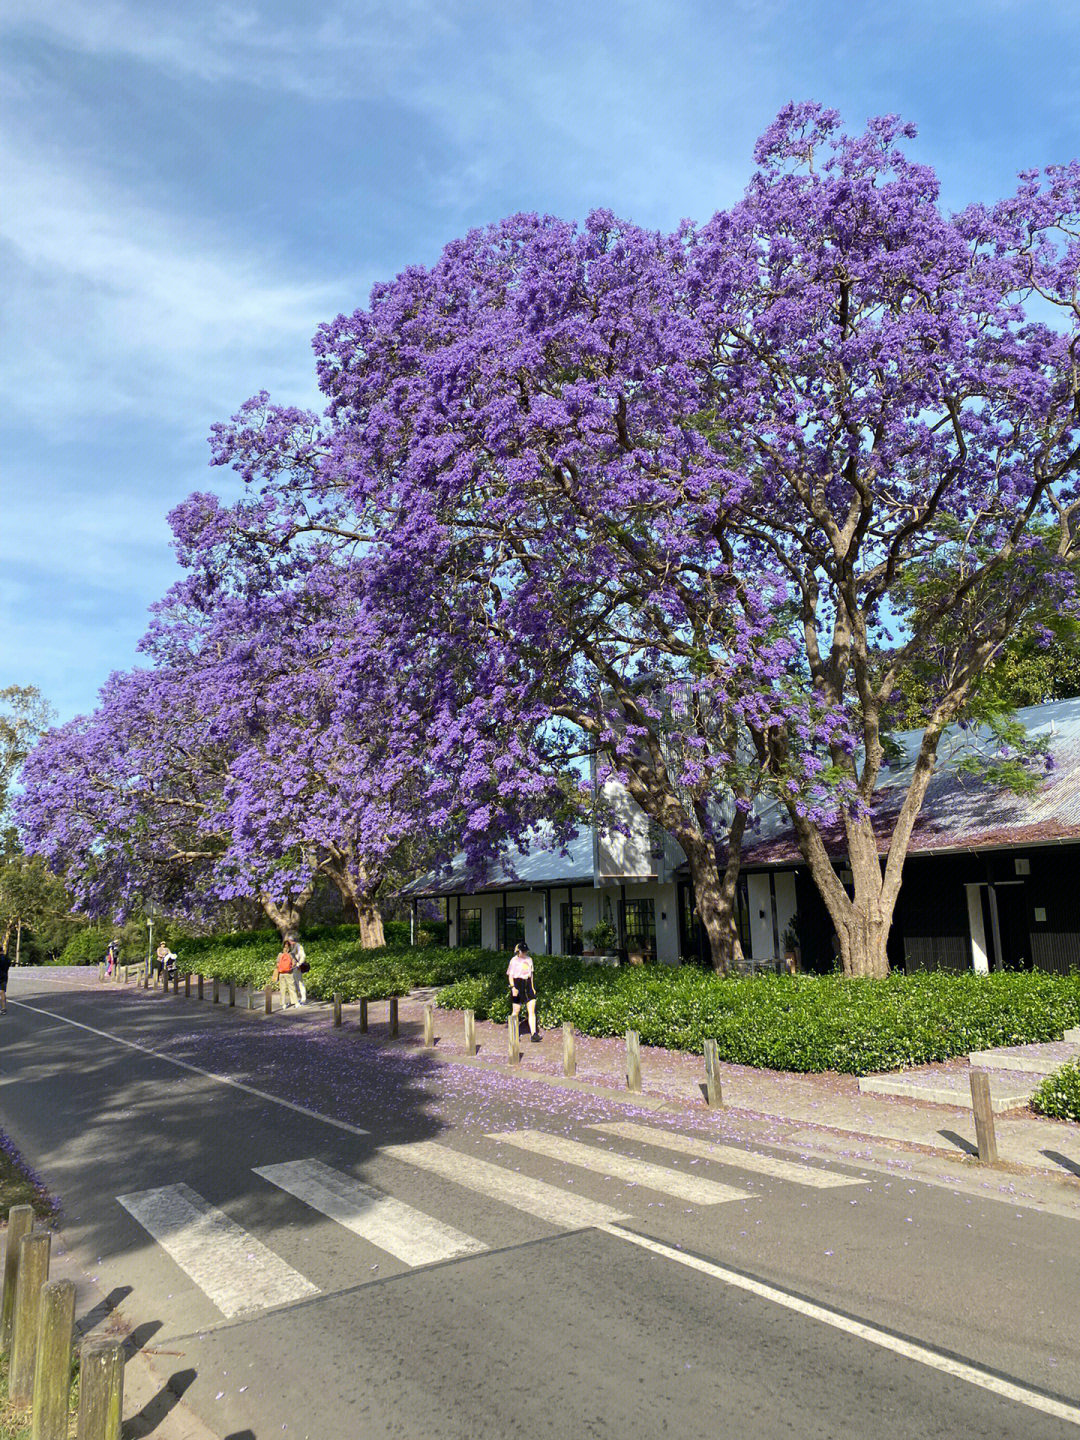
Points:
[(663, 914)]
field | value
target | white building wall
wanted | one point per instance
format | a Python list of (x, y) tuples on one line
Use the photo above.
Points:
[(784, 884), (762, 942)]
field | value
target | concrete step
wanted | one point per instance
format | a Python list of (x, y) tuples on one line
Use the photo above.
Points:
[(1073, 1035), (1009, 1089), (1039, 1059)]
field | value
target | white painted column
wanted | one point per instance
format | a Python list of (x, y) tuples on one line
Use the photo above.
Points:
[(978, 929)]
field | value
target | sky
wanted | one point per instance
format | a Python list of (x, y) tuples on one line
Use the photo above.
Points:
[(188, 190)]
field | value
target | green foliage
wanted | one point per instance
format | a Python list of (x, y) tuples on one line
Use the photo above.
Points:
[(86, 946), (338, 963), (1059, 1094), (804, 1023)]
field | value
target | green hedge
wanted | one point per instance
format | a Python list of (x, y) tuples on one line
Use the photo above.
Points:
[(86, 947), (337, 963), (803, 1023), (1059, 1094)]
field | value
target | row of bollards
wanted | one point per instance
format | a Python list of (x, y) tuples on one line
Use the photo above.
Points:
[(37, 1326)]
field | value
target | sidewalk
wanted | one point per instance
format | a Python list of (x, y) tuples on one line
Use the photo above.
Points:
[(825, 1113)]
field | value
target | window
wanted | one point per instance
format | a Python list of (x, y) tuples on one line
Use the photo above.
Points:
[(572, 940), (469, 928), (510, 929), (641, 926)]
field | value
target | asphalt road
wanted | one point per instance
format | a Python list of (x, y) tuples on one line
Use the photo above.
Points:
[(350, 1240)]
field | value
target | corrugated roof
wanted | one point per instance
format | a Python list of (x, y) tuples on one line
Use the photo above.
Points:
[(539, 865)]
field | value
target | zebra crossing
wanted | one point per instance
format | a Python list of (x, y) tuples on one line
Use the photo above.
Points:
[(241, 1276)]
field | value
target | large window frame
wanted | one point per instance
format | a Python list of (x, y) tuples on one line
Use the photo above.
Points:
[(573, 938), (471, 926), (510, 926), (640, 926)]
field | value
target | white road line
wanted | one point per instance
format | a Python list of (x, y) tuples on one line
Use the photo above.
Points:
[(908, 1349), (692, 1188), (534, 1197), (196, 1070), (401, 1230), (730, 1155), (233, 1269)]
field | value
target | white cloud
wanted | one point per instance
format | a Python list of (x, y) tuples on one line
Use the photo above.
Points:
[(122, 308)]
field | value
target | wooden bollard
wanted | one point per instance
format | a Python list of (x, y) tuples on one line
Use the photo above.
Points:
[(52, 1376), (269, 999), (569, 1050), (217, 991), (101, 974), (984, 1117), (470, 1032), (714, 1095), (633, 1062), (251, 998), (393, 1015), (146, 978), (199, 986), (513, 1040), (101, 1390), (232, 993), (187, 986), (363, 1016), (125, 977), (337, 1007), (20, 1223), (33, 1272), (429, 1027)]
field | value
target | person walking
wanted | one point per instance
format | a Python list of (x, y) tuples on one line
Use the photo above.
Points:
[(112, 958), (521, 975), (4, 964), (300, 967), (284, 969)]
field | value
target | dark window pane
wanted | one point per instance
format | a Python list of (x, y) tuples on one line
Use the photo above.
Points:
[(470, 926), (572, 942), (511, 926), (641, 926)]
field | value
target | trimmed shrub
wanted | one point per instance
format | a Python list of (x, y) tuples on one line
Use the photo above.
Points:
[(1059, 1094), (86, 947), (803, 1023)]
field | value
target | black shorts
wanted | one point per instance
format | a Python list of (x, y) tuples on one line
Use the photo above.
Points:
[(522, 990)]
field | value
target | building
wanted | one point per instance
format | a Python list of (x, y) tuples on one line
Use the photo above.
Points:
[(990, 881)]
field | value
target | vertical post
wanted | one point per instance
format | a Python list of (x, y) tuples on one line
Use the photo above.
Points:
[(146, 977), (412, 924), (33, 1272), (513, 1046), (569, 1050), (52, 1377), (429, 1027), (457, 927), (633, 1062), (984, 1117), (547, 922), (714, 1095), (101, 1390), (232, 993), (393, 1015), (363, 1015), (20, 1223), (125, 979), (199, 986), (187, 986), (251, 997), (269, 999), (176, 983), (470, 1032), (337, 1007), (217, 991), (101, 974)]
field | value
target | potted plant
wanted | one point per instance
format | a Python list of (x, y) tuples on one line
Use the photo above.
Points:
[(791, 945), (602, 937)]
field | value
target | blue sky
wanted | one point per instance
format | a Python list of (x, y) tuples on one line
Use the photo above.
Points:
[(189, 189)]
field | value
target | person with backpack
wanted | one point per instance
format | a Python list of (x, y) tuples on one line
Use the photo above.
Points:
[(300, 967), (285, 970), (112, 958), (4, 964)]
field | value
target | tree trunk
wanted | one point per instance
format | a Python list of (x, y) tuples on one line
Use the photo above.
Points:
[(712, 899), (361, 901), (369, 918), (18, 939), (861, 921), (285, 915)]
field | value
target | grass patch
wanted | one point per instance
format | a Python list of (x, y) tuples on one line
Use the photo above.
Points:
[(20, 1186)]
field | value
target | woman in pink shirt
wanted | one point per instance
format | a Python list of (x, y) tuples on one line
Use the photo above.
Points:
[(523, 988)]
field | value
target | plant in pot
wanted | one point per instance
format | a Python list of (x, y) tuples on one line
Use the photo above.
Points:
[(791, 945), (602, 937)]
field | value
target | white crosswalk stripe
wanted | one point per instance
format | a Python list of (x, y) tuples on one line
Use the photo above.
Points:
[(534, 1197), (399, 1229), (733, 1155), (680, 1186), (233, 1269)]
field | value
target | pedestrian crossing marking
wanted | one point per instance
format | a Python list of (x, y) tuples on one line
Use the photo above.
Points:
[(534, 1197), (692, 1188), (233, 1269), (391, 1224), (730, 1155)]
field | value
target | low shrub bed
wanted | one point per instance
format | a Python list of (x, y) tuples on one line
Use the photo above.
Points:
[(338, 964), (1059, 1094), (802, 1023)]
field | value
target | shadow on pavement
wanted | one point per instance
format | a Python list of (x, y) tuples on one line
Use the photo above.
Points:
[(146, 1421), (1063, 1160), (960, 1142)]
